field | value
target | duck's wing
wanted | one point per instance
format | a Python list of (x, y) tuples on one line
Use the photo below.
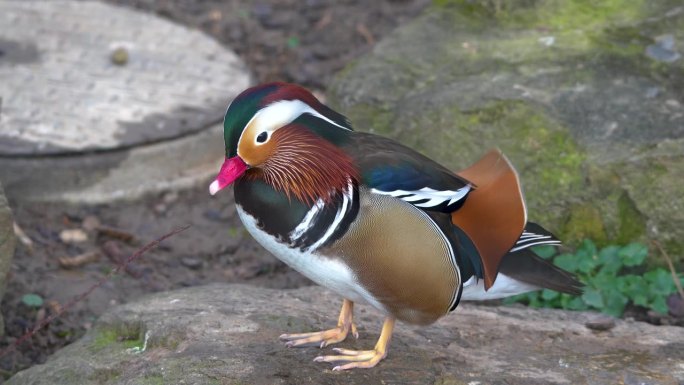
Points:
[(389, 168), (485, 201)]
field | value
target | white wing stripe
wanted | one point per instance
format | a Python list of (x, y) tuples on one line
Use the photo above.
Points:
[(548, 242), (530, 239), (305, 224), (434, 197), (341, 212)]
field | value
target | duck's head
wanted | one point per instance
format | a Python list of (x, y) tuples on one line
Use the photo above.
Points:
[(282, 133)]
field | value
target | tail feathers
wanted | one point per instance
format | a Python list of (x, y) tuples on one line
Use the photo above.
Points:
[(526, 266), (535, 235)]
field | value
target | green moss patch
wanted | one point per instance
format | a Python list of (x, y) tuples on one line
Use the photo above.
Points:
[(120, 337), (584, 221), (632, 225), (547, 158)]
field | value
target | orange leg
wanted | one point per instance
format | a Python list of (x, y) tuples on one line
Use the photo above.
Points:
[(363, 358), (326, 337)]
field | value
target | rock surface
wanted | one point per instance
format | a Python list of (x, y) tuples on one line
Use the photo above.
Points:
[(7, 241), (587, 102), (228, 334), (86, 102)]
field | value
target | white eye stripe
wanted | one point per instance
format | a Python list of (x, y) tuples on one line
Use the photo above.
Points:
[(279, 114), (283, 112)]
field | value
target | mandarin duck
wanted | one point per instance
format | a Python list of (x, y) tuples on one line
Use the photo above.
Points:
[(374, 221)]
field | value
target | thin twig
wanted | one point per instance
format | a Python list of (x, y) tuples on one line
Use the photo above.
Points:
[(115, 233), (675, 278), (86, 293), (366, 33), (23, 238)]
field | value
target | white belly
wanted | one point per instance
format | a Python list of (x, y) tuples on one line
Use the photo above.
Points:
[(504, 286), (325, 271)]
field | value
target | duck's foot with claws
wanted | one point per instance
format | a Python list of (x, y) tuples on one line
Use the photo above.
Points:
[(326, 337), (363, 358)]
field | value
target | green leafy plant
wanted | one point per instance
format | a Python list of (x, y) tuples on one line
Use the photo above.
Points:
[(614, 277), (32, 300)]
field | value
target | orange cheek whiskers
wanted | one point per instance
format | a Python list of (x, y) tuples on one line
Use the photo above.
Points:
[(307, 167)]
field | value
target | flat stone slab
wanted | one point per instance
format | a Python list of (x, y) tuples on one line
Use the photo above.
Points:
[(228, 334), (85, 76), (100, 102)]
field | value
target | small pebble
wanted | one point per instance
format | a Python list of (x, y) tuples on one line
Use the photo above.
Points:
[(191, 263), (170, 197), (663, 50), (160, 208), (600, 322), (675, 304), (90, 223), (120, 56), (40, 315), (73, 236)]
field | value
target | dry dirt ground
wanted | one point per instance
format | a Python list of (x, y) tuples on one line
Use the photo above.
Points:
[(303, 41)]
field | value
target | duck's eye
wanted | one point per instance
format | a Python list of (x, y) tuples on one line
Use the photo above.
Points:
[(261, 138)]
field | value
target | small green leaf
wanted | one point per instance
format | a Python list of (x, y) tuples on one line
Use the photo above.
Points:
[(608, 253), (534, 301), (614, 303), (659, 305), (549, 295), (593, 298), (576, 303), (293, 42), (632, 285), (587, 263), (609, 258), (640, 300), (588, 247), (567, 262), (633, 254), (545, 251), (660, 281), (511, 300), (32, 300)]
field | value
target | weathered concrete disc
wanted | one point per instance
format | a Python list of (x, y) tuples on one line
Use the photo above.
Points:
[(63, 91), (78, 79)]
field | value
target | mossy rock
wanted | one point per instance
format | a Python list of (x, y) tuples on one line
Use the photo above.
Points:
[(228, 334), (569, 90)]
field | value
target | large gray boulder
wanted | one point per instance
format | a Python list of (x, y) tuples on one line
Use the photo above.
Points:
[(587, 102), (7, 242), (228, 334)]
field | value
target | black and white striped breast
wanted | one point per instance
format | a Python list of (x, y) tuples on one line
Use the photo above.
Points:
[(295, 224)]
